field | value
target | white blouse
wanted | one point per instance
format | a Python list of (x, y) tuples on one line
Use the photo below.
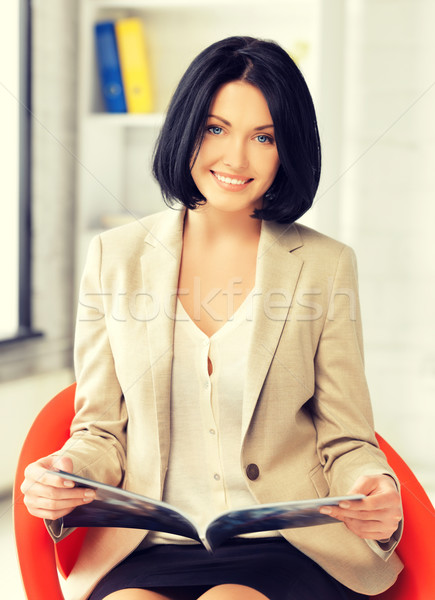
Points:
[(205, 474)]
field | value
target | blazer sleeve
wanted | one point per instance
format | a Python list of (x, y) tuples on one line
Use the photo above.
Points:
[(98, 431), (97, 445), (341, 407)]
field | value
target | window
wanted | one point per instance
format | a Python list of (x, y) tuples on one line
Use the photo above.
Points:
[(15, 168)]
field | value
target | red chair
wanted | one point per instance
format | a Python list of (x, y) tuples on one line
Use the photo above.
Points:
[(40, 559), (416, 548)]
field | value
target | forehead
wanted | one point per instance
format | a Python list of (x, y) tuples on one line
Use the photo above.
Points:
[(241, 103)]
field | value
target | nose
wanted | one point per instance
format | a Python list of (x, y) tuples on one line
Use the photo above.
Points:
[(235, 155)]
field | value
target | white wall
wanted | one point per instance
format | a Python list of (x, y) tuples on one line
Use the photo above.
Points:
[(31, 372), (382, 203), (387, 196), (53, 130), (24, 398)]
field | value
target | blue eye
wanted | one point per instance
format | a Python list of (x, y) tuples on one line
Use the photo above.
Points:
[(264, 139), (215, 130)]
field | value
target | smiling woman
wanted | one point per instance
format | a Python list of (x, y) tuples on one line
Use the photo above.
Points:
[(223, 397), (286, 117), (236, 165)]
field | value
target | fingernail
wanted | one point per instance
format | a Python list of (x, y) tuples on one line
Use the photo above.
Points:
[(87, 499), (344, 505), (90, 494), (68, 483), (326, 510)]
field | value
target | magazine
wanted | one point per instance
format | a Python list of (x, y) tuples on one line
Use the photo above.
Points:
[(115, 507)]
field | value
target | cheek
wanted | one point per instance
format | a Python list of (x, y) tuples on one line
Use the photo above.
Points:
[(200, 156), (207, 153), (270, 167), (195, 174), (200, 172), (197, 167)]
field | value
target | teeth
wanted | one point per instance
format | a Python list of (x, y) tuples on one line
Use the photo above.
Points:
[(229, 180)]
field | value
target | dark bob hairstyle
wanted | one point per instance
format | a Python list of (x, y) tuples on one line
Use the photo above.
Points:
[(267, 66)]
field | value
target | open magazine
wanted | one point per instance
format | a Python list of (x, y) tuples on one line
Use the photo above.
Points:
[(114, 507)]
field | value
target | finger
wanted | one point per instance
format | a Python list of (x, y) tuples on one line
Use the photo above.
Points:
[(58, 505), (375, 529), (353, 504), (363, 515), (38, 490), (385, 516), (62, 463), (369, 502), (37, 472), (379, 501), (49, 508), (337, 512), (375, 484), (48, 483), (389, 517), (371, 530)]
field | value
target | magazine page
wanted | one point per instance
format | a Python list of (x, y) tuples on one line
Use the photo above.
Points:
[(270, 517), (114, 507)]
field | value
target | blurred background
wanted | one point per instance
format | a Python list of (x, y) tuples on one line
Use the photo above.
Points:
[(69, 169)]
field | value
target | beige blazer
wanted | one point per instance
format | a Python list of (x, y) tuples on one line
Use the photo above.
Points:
[(307, 420)]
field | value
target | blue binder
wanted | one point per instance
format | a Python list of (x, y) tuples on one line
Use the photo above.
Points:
[(109, 68)]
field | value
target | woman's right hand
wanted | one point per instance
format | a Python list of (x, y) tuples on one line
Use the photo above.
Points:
[(49, 496)]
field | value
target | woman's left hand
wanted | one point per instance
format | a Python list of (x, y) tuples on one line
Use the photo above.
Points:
[(375, 517)]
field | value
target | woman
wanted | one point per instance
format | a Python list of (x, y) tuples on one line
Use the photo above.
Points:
[(219, 360)]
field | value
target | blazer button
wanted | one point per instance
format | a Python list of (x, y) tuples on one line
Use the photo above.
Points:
[(252, 471)]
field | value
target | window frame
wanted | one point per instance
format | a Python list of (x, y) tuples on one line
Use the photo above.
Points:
[(25, 329)]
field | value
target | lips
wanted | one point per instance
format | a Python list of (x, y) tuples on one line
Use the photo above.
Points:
[(232, 180)]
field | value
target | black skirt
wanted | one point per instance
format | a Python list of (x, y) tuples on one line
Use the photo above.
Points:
[(270, 565)]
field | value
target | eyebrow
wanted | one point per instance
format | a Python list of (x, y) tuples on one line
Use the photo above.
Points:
[(260, 128)]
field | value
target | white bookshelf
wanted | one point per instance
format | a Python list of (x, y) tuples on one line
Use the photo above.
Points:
[(115, 150)]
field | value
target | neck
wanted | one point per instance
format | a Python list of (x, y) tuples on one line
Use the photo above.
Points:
[(213, 225)]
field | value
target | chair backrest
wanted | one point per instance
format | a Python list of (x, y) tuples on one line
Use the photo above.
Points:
[(416, 548), (38, 557)]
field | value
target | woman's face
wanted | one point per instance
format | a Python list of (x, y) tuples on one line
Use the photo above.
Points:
[(238, 158)]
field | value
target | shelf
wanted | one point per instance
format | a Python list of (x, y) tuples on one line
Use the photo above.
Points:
[(126, 119), (115, 150), (168, 4)]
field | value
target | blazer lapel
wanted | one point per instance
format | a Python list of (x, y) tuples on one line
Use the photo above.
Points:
[(160, 271), (277, 276)]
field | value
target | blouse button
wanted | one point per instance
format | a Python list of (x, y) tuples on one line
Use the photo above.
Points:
[(217, 476), (252, 471)]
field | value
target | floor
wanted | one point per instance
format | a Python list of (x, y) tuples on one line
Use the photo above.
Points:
[(10, 579)]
